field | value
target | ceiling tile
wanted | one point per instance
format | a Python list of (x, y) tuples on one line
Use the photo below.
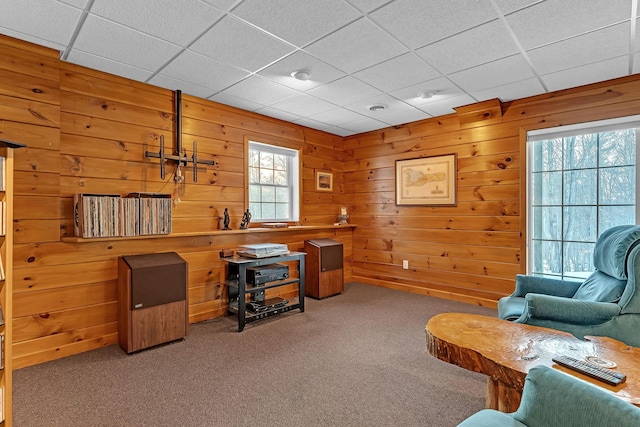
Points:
[(344, 91), (320, 72), (493, 74), (337, 116), (202, 71), (441, 87), (99, 63), (364, 125), (278, 114), (47, 20), (176, 22), (418, 22), (511, 91), (261, 90), (252, 48), (391, 105), (297, 21), (124, 44), (509, 6), (305, 121), (323, 127), (226, 99), (303, 105), (337, 131), (470, 48), (637, 38), (403, 116), (81, 4), (241, 52), (367, 6), (396, 73), (175, 84), (357, 46), (447, 105), (221, 4), (32, 39), (636, 63), (595, 72), (592, 47), (554, 20)]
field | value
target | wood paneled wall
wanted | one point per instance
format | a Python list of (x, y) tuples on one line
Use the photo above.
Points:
[(470, 252), (87, 132)]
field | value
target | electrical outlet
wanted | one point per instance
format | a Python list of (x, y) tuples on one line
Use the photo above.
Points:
[(405, 264)]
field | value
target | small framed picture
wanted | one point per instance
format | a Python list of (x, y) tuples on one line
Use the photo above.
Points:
[(324, 181)]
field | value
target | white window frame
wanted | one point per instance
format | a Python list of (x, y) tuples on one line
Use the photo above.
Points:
[(562, 131), (293, 180)]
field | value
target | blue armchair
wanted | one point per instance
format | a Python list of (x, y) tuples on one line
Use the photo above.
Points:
[(553, 398), (606, 304)]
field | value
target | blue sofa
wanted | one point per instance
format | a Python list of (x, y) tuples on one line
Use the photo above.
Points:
[(606, 304), (554, 399)]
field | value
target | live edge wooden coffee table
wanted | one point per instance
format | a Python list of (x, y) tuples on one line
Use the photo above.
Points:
[(505, 351)]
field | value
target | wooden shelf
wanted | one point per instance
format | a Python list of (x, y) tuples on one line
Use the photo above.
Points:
[(210, 233), (6, 285)]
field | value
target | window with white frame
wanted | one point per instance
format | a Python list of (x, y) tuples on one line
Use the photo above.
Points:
[(273, 183), (582, 181)]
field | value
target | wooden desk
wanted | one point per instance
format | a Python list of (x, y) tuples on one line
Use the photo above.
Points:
[(505, 351)]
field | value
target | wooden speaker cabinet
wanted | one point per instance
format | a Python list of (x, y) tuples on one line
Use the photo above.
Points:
[(152, 297), (324, 268)]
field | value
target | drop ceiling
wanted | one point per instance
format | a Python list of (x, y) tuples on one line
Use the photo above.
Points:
[(358, 53)]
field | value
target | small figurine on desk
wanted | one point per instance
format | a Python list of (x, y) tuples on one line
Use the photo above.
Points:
[(226, 219), (246, 219)]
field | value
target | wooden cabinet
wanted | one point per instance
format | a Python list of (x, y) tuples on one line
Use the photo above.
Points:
[(325, 272), (152, 296)]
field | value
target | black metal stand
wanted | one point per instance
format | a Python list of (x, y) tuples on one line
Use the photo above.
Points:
[(239, 304)]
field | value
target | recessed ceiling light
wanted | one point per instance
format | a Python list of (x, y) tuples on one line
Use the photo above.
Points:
[(376, 107), (302, 75)]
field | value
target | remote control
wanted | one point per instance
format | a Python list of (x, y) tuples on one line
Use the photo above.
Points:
[(589, 369)]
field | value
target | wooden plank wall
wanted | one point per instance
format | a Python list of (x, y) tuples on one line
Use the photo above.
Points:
[(87, 132), (470, 252)]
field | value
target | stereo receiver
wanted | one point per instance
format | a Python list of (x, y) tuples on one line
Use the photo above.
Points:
[(262, 274)]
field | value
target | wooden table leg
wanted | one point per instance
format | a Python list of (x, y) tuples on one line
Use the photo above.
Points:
[(501, 397)]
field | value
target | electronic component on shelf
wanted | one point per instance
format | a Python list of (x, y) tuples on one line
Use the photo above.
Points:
[(262, 274), (589, 369), (263, 250), (275, 224), (268, 304)]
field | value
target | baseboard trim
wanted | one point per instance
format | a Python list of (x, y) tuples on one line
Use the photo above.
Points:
[(482, 302)]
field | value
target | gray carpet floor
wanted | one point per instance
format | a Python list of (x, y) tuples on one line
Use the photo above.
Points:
[(355, 359)]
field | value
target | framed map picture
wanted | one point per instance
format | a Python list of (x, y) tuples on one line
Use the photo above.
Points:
[(426, 181)]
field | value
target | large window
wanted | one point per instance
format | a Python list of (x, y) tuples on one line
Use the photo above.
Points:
[(273, 183), (582, 181)]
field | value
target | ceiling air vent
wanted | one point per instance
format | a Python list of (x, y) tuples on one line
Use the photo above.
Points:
[(376, 107)]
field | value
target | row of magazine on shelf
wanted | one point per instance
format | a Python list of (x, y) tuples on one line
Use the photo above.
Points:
[(108, 215)]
